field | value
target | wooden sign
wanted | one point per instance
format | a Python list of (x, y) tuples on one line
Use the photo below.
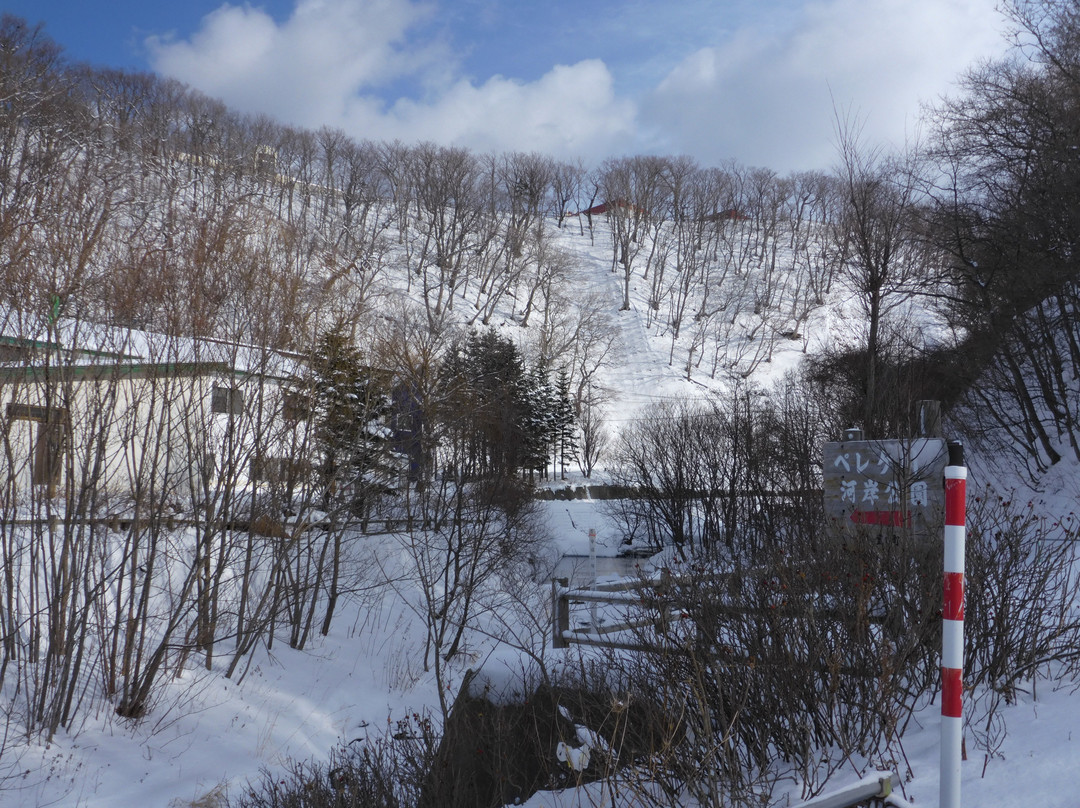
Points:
[(884, 483)]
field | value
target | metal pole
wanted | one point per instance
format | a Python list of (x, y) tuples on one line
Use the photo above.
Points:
[(592, 558), (952, 634)]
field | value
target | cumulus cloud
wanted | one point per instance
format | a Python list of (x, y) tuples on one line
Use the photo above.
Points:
[(570, 111), (765, 97), (760, 92), (331, 60), (306, 68)]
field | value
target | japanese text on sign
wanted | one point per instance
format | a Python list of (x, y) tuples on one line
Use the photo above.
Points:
[(883, 482)]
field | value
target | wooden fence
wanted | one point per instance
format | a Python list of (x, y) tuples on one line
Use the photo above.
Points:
[(628, 592), (653, 600)]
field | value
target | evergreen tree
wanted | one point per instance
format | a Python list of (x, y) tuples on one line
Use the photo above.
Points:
[(498, 413), (540, 422), (350, 408), (565, 444)]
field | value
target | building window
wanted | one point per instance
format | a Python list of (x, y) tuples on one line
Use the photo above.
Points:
[(265, 162), (227, 400), (13, 352), (49, 454)]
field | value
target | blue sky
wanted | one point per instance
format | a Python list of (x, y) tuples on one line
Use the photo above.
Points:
[(744, 80)]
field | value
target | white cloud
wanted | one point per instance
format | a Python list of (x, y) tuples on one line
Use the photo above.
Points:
[(304, 69), (761, 96), (570, 111), (328, 63), (765, 98)]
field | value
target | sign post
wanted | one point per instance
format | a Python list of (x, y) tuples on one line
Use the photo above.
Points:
[(592, 561), (876, 485), (952, 627)]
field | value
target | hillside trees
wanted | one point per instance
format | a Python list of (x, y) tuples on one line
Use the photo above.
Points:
[(60, 183), (469, 227), (812, 201), (734, 259), (631, 188), (518, 195), (347, 241), (566, 184), (1007, 216), (449, 204)]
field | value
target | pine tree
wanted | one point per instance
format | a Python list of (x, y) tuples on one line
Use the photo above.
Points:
[(565, 424), (500, 413), (355, 461), (540, 422)]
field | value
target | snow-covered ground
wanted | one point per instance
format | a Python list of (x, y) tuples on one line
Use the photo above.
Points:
[(207, 736)]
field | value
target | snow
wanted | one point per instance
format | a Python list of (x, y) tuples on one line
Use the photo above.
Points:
[(207, 735), (206, 729)]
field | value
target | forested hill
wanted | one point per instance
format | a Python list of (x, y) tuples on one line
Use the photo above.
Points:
[(275, 397), (130, 200), (156, 207)]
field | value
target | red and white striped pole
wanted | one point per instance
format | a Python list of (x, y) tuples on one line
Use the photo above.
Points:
[(952, 627)]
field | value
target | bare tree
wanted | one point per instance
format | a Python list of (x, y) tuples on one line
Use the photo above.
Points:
[(630, 187), (566, 184), (594, 435), (465, 531), (1004, 147), (886, 255), (449, 204)]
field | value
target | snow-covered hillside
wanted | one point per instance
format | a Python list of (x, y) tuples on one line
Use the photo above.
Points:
[(195, 589), (206, 735)]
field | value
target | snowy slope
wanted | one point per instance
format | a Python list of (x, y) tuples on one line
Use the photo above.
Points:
[(207, 736)]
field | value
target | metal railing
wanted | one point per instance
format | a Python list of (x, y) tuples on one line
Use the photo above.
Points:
[(626, 593), (874, 786)]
